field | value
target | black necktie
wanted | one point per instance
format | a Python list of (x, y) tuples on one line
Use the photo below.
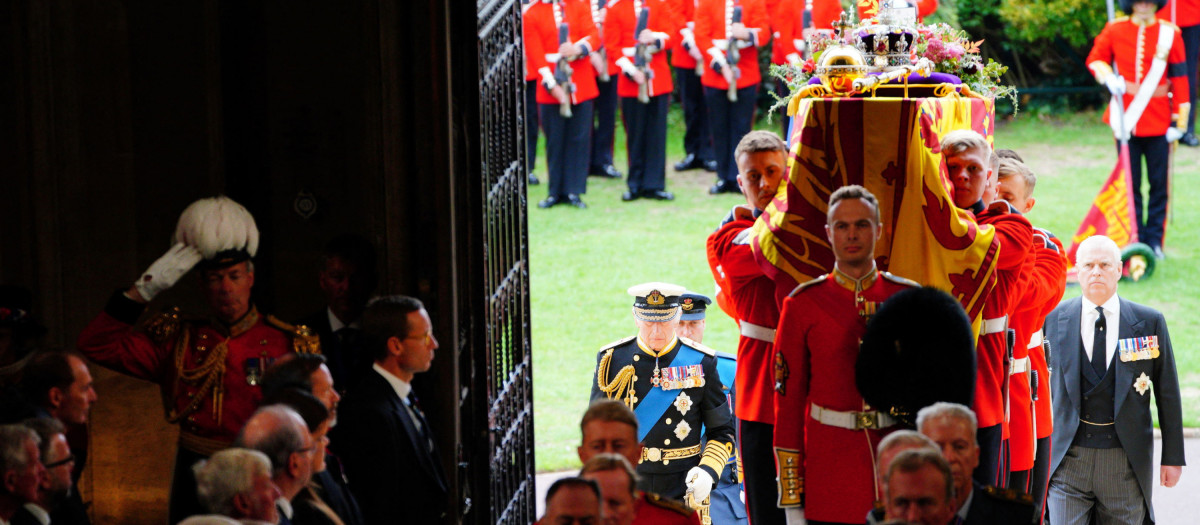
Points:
[(1098, 338), (415, 409)]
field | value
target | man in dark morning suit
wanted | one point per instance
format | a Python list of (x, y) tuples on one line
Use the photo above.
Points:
[(382, 435), (1101, 453), (347, 280)]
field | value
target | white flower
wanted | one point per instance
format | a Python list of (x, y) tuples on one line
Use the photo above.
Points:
[(1142, 384)]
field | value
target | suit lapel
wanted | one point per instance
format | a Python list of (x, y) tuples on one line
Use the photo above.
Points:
[(1130, 327), (1071, 348), (415, 438)]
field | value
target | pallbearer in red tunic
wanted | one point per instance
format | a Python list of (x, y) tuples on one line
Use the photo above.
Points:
[(637, 33), (730, 32), (825, 434), (762, 163), (207, 367), (1043, 289), (565, 101), (1151, 78), (968, 161)]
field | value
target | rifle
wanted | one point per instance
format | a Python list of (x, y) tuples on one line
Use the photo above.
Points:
[(602, 69), (642, 56), (562, 73), (733, 55)]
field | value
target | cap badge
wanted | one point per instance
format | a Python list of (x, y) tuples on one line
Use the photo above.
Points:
[(655, 298), (687, 304)]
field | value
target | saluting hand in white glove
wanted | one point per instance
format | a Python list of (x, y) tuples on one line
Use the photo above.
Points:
[(165, 272)]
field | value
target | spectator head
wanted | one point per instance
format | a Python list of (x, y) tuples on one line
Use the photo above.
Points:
[(306, 372), (897, 442), (968, 164), (347, 277), (59, 383), (853, 225), (280, 433), (952, 426), (1015, 183), (56, 459), (21, 469), (761, 158), (609, 426), (920, 488), (618, 486), (315, 417), (401, 335), (236, 482), (572, 501), (1099, 262)]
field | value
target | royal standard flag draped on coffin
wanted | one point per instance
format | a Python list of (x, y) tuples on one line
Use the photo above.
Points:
[(891, 146)]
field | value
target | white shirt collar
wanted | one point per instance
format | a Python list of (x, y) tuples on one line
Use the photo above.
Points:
[(401, 386), (966, 507), (336, 324), (285, 507), (38, 512), (1112, 320), (1112, 305)]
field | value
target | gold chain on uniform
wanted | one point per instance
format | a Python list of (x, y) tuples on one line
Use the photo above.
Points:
[(209, 375), (621, 386)]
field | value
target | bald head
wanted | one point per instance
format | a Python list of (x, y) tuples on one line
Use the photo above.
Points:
[(280, 433)]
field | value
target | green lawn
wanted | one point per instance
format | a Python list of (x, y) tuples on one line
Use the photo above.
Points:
[(583, 260)]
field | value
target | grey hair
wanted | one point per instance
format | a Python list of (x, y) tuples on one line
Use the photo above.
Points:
[(13, 455), (275, 430), (904, 437), (1103, 243), (948, 410), (226, 474)]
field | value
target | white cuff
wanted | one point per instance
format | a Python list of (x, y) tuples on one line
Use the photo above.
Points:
[(547, 78), (626, 65)]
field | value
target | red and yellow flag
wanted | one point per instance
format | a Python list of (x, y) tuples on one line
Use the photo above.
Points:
[(1112, 212), (892, 147)]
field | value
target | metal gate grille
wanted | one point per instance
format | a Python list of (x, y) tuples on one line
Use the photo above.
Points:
[(503, 367)]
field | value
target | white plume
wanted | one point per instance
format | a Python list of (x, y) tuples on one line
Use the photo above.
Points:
[(217, 224)]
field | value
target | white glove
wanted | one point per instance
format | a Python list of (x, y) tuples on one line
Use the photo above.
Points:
[(794, 516), (1174, 134), (699, 483), (167, 270), (1115, 84)]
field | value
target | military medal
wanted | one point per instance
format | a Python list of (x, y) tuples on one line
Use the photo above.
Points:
[(254, 371), (655, 380)]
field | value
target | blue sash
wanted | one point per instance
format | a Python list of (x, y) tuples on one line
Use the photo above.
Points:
[(656, 402)]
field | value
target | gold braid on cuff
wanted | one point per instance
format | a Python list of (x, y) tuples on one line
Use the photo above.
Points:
[(716, 454), (791, 485)]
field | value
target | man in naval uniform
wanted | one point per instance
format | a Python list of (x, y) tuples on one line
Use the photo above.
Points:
[(825, 433), (207, 367), (673, 387)]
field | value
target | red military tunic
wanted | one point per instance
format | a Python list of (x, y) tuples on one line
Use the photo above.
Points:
[(652, 509), (1133, 47), (787, 22), (753, 298), (208, 372), (539, 26), (619, 38), (1043, 283), (712, 22), (827, 469), (870, 8), (1187, 12), (1016, 239), (685, 16)]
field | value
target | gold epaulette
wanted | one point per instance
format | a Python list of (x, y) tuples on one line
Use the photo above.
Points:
[(1014, 496), (1121, 18), (163, 326), (669, 504), (900, 280), (617, 343), (304, 341), (704, 349), (802, 286)]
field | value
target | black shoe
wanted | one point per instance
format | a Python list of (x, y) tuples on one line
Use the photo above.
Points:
[(533, 180), (690, 162), (658, 195), (710, 166), (723, 187), (576, 201), (1158, 253), (607, 171), (552, 200), (1190, 139), (630, 196)]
